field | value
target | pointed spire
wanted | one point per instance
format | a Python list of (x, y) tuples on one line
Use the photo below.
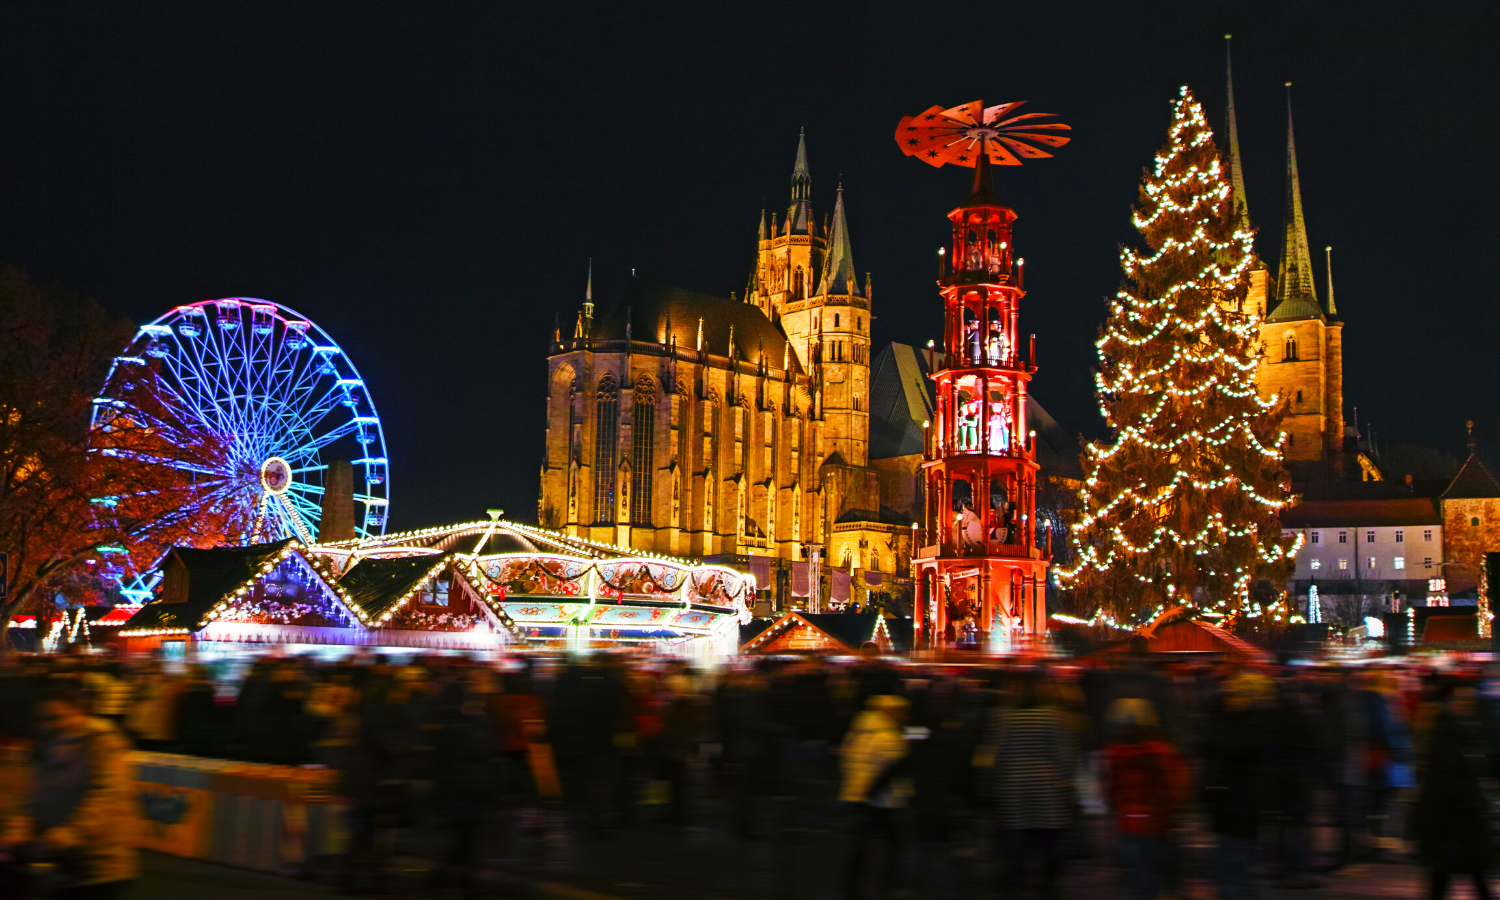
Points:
[(799, 215), (588, 294), (1296, 295), (1332, 310), (700, 334), (984, 182), (838, 270), (801, 177), (1236, 170), (762, 234)]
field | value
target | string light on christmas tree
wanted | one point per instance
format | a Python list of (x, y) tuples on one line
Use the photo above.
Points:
[(1180, 507)]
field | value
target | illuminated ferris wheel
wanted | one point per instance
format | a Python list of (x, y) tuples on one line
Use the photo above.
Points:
[(282, 400)]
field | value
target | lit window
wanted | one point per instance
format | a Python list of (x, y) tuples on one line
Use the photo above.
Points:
[(1370, 562), (1343, 563), (1315, 536), (1427, 534), (1400, 536), (435, 592), (1426, 562), (1343, 537), (1369, 537), (1400, 562), (1317, 564)]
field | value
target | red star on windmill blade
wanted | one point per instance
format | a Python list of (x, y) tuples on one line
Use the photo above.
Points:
[(959, 134)]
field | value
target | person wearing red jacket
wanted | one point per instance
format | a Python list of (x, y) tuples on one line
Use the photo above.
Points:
[(1147, 785)]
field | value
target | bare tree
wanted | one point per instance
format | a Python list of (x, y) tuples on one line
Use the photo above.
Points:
[(71, 497)]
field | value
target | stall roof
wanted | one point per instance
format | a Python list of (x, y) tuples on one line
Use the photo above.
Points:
[(211, 574)]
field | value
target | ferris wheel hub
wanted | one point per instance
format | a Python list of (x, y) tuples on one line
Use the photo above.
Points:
[(275, 475)]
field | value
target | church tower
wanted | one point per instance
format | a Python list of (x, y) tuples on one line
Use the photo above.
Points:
[(789, 252), (809, 286), (1303, 346)]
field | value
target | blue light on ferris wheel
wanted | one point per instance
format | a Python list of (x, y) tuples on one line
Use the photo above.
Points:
[(272, 384)]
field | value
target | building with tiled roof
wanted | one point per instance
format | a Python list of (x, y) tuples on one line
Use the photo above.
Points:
[(1423, 538)]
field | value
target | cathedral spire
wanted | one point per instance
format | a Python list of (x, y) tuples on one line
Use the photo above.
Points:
[(762, 235), (799, 214), (1236, 170), (1332, 310), (1296, 296), (838, 271), (588, 296)]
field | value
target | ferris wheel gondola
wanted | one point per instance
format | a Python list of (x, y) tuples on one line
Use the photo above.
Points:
[(279, 395)]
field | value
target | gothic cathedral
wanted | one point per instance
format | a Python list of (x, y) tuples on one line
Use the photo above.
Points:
[(687, 424)]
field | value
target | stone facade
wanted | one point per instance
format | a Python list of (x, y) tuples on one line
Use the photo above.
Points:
[(1471, 525)]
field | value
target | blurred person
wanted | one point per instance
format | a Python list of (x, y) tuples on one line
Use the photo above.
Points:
[(1292, 772), (81, 814), (376, 782), (462, 776), (1454, 810), (1234, 780), (942, 784), (110, 692), (805, 710), (682, 721), (1392, 804), (1147, 784), (1361, 756), (874, 784), (591, 728), (198, 722), (152, 711), (1033, 750), (747, 729)]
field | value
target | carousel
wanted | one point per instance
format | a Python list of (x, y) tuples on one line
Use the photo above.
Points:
[(475, 587)]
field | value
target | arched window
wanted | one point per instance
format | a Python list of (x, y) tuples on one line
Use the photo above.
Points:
[(1289, 349), (606, 432), (797, 284), (642, 460), (1474, 522)]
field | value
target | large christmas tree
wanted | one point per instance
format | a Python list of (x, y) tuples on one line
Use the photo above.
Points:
[(1181, 508)]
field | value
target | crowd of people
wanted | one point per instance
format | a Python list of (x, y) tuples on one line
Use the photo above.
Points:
[(1036, 764)]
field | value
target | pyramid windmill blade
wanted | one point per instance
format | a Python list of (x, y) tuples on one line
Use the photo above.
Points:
[(1051, 140), (1025, 150), (1022, 118), (995, 112), (967, 113), (999, 155)]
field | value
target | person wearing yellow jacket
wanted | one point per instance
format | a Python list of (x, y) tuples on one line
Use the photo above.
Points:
[(873, 759), (81, 815)]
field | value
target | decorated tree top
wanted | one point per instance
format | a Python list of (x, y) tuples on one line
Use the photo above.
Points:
[(1181, 507)]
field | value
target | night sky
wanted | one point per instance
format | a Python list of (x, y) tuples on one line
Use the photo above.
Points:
[(428, 183)]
